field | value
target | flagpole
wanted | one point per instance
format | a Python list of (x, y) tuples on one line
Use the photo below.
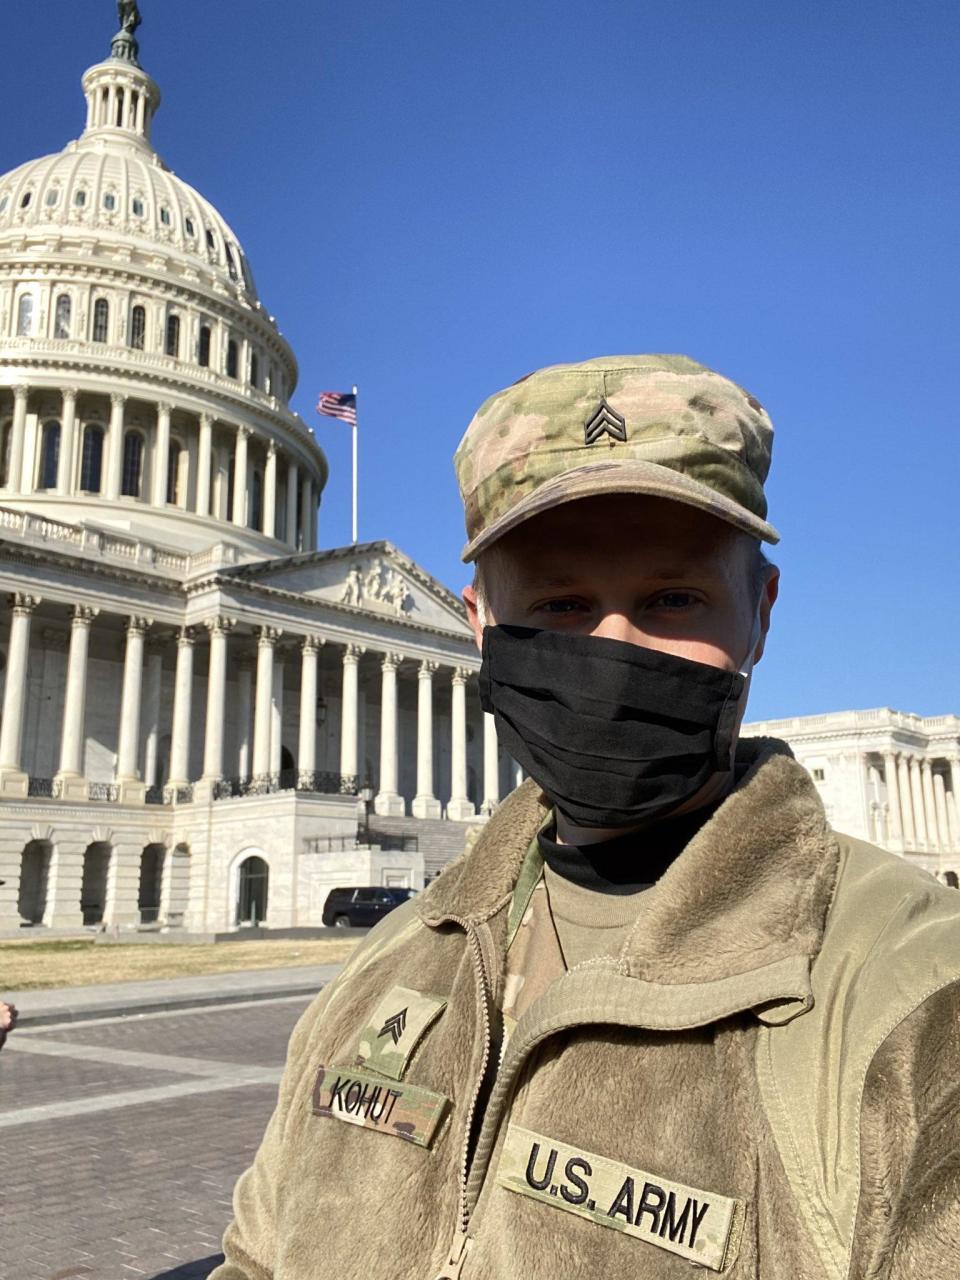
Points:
[(355, 468)]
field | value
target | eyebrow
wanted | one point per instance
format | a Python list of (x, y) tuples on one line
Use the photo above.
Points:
[(673, 574)]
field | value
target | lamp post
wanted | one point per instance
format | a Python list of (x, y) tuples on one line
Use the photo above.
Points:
[(366, 795)]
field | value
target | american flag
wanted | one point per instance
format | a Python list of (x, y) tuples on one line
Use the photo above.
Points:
[(338, 404)]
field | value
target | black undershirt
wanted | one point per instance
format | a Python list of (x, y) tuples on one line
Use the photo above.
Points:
[(627, 863)]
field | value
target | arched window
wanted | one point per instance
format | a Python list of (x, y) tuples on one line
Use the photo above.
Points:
[(203, 352), (25, 315), (137, 207), (254, 370), (80, 197), (110, 201), (132, 464), (119, 108), (138, 327), (173, 472), (232, 359), (91, 459), (256, 500), (6, 431), (101, 320), (49, 455), (252, 890), (173, 335), (61, 321)]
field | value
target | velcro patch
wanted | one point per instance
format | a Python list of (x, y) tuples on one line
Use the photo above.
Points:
[(395, 1029), (367, 1100), (698, 1225)]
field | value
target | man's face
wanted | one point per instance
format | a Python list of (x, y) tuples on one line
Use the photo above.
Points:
[(643, 570)]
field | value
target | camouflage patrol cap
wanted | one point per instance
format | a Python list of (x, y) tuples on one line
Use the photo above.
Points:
[(658, 425)]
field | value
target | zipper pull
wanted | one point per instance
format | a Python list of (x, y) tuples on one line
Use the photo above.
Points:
[(458, 1256)]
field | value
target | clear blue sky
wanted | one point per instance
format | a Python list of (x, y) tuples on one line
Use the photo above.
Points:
[(439, 197)]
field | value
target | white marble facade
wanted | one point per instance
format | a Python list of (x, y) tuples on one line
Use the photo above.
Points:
[(193, 694), (885, 776)]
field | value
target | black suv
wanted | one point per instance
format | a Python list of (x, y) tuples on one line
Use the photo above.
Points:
[(360, 908)]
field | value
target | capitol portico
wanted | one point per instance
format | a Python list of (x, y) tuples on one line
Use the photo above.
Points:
[(194, 696)]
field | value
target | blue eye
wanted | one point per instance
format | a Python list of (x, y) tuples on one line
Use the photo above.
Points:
[(676, 599)]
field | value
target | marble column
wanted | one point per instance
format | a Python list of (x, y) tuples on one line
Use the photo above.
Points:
[(244, 713), (916, 791), (71, 784), (18, 431), (425, 804), (266, 646), (113, 460), (306, 518), (128, 739), (894, 816), (290, 532), (204, 456), (940, 809), (929, 804), (348, 716), (219, 628), (161, 454), (68, 434), (953, 803), (307, 747), (239, 513), (276, 714), (151, 715), (270, 492), (459, 806), (182, 700), (388, 801), (906, 801), (491, 765), (13, 781)]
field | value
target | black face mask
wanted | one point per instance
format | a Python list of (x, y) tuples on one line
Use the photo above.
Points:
[(615, 734)]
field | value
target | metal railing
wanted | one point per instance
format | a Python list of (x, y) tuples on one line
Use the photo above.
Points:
[(103, 791), (315, 782), (42, 788)]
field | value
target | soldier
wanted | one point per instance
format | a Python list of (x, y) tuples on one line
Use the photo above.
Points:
[(659, 1014)]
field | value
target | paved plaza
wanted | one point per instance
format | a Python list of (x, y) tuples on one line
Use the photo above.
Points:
[(122, 1138)]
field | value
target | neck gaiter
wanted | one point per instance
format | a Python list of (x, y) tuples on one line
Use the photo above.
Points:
[(615, 734)]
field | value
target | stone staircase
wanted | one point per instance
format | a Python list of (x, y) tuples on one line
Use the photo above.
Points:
[(438, 840)]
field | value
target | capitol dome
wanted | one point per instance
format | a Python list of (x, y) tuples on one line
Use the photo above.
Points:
[(143, 386)]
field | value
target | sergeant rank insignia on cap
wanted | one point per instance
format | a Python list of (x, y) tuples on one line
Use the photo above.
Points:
[(605, 422)]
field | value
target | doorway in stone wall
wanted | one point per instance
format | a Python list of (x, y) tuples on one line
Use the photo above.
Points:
[(252, 887), (151, 879), (34, 879), (93, 887)]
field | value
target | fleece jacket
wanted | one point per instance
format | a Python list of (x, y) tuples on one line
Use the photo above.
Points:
[(761, 1084)]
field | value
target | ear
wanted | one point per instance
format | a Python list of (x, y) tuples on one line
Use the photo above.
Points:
[(469, 597), (768, 598)]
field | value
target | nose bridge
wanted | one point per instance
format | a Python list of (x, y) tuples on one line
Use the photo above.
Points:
[(618, 626)]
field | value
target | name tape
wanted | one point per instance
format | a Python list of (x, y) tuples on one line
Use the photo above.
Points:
[(697, 1225), (386, 1106)]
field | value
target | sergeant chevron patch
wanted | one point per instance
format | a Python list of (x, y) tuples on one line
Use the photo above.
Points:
[(606, 421), (698, 1225), (395, 1028)]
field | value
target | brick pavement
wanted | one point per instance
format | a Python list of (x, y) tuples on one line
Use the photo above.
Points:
[(117, 1192)]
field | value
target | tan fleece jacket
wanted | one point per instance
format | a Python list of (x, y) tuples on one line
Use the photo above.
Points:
[(763, 1083)]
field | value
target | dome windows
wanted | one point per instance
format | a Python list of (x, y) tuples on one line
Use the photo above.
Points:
[(211, 240), (25, 315), (49, 456), (172, 344), (109, 201), (137, 206), (80, 197), (4, 201), (52, 198), (165, 215), (231, 264), (61, 317), (91, 458), (138, 327), (25, 199), (188, 226), (101, 320), (176, 457), (203, 347), (233, 359), (132, 474), (254, 370)]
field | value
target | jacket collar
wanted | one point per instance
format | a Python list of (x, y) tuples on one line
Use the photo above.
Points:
[(750, 891)]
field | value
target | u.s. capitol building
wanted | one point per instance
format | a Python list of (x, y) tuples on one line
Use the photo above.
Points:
[(193, 693), (195, 697)]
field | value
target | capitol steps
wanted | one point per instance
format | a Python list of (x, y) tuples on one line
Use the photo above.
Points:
[(437, 839)]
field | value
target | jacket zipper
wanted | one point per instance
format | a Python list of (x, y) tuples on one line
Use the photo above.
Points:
[(461, 1243)]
